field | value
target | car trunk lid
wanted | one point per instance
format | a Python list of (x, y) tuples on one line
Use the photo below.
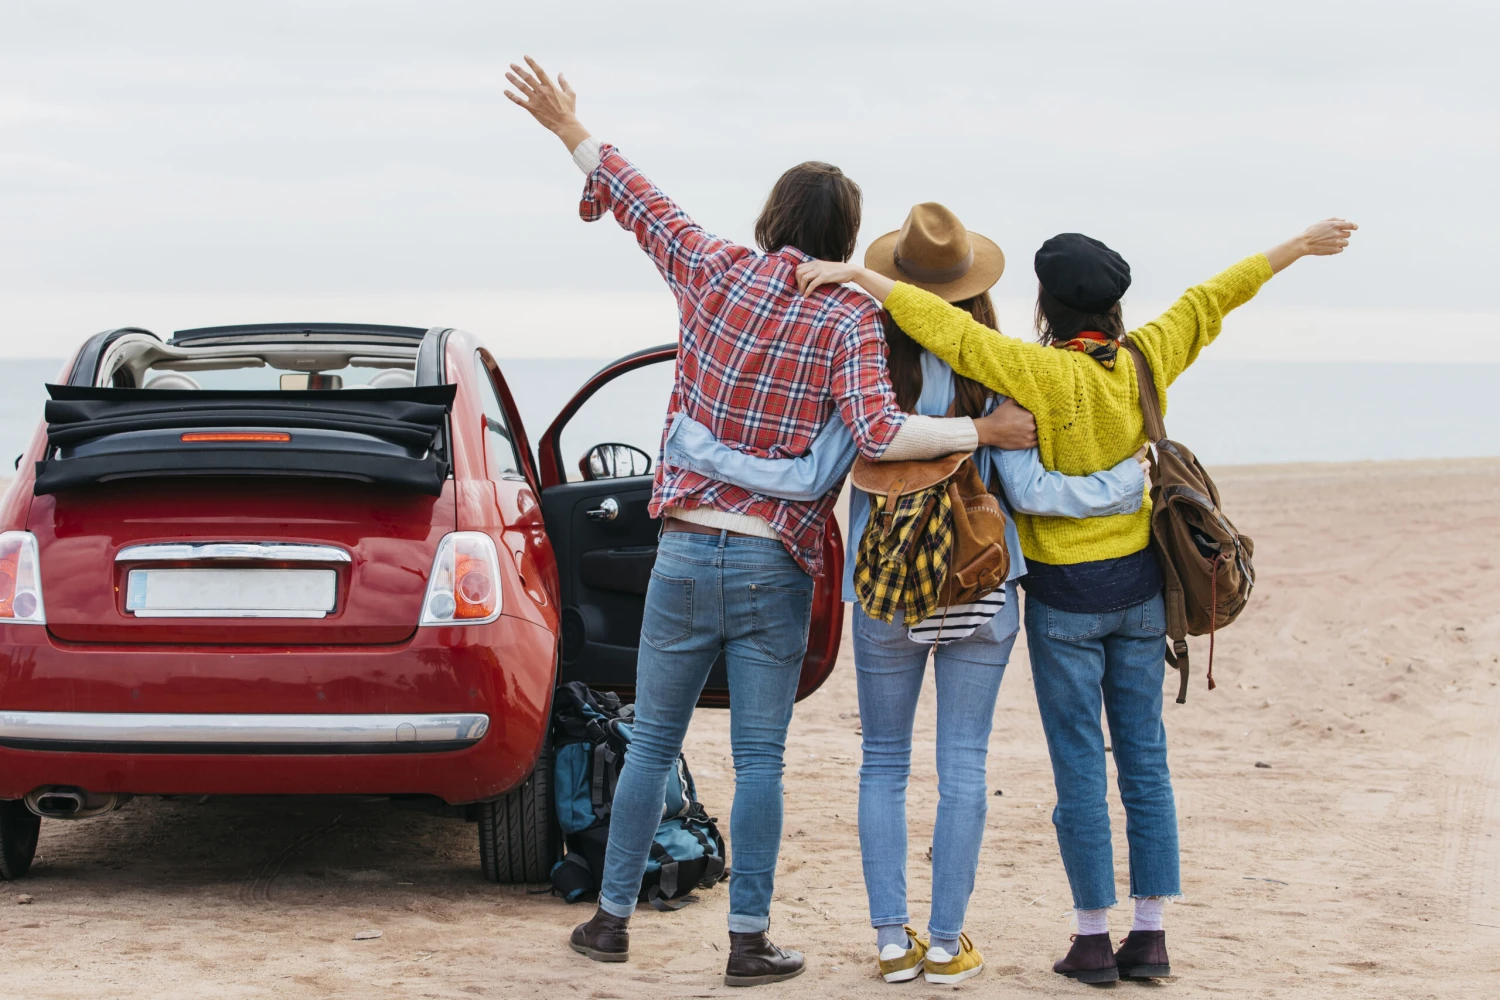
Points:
[(229, 561)]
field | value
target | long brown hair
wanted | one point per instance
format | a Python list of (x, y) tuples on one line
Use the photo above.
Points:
[(905, 355)]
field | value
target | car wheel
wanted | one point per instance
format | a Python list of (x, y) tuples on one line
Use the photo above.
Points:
[(19, 828), (518, 840)]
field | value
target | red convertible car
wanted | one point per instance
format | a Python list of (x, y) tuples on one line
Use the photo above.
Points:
[(315, 559)]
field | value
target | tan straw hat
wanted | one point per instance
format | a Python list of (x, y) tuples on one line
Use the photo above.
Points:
[(933, 250)]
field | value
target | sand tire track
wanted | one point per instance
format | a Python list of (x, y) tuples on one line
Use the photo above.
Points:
[(256, 886)]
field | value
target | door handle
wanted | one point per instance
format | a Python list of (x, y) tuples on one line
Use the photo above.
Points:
[(608, 510)]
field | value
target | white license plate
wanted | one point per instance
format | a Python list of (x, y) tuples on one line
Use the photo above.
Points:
[(231, 593)]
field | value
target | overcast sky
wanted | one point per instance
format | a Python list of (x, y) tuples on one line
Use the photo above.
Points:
[(175, 164)]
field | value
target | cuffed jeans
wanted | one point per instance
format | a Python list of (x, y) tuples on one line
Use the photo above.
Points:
[(747, 598), (1080, 662), (889, 668)]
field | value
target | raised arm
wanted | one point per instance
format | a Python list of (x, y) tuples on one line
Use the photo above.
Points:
[(1033, 375), (682, 251), (1173, 340)]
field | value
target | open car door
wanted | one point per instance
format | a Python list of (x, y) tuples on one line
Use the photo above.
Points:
[(595, 505)]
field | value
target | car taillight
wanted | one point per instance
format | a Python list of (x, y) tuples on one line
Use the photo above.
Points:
[(20, 579), (465, 584)]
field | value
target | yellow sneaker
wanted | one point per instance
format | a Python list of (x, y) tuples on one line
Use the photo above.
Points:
[(900, 965), (944, 968)]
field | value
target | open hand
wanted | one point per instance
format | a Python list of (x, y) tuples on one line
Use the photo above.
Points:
[(1010, 427), (554, 105), (816, 273)]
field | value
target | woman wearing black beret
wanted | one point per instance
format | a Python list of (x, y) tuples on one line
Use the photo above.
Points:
[(1095, 622)]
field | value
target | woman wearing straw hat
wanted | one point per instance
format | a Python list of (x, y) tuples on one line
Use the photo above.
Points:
[(970, 645), (1095, 622)]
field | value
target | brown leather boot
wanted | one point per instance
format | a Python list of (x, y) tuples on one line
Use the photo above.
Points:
[(1090, 960), (605, 938), (1143, 955), (755, 961)]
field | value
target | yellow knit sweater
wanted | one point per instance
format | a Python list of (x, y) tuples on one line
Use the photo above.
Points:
[(1088, 417)]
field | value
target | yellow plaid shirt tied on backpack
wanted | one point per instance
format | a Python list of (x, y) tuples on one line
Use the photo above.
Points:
[(904, 554), (935, 542)]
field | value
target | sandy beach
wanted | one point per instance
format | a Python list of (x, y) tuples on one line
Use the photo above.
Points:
[(1339, 797)]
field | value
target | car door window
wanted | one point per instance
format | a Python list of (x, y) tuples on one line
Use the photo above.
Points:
[(631, 410), (499, 443)]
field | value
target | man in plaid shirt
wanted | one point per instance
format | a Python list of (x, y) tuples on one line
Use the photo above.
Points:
[(764, 368)]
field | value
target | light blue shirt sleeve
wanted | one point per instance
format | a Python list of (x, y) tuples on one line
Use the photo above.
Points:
[(693, 447), (1031, 489), (1028, 486)]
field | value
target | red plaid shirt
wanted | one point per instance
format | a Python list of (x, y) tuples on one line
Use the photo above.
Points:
[(758, 364)]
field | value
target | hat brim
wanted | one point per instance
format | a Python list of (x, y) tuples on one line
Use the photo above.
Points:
[(988, 266)]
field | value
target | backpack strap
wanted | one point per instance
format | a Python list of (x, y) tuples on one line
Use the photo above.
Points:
[(713, 851), (661, 902), (1156, 431), (1177, 656), (660, 895), (668, 879), (601, 791), (1156, 427)]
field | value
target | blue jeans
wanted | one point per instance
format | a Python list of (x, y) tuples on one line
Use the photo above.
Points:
[(1078, 662), (889, 669), (747, 598)]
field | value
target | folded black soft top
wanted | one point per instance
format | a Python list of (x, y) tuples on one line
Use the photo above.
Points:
[(386, 436)]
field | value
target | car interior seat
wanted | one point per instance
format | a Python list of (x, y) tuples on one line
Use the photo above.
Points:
[(393, 378), (172, 380)]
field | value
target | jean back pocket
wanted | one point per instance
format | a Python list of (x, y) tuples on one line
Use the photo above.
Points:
[(669, 610), (780, 617), (1154, 616), (1073, 626)]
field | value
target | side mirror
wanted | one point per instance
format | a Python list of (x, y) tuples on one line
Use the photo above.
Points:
[(614, 461)]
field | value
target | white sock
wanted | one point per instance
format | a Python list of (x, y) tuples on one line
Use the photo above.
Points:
[(1148, 913), (1093, 921)]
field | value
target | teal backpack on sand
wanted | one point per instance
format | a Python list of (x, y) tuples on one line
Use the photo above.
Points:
[(591, 732)]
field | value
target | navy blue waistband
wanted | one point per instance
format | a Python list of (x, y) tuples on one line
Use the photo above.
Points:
[(1097, 587)]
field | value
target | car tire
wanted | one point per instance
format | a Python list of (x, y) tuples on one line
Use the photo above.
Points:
[(518, 838), (19, 828)]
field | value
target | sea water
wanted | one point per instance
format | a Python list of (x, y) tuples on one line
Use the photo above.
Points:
[(1230, 413)]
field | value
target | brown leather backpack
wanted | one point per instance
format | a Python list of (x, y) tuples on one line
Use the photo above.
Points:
[(980, 560), (1205, 561)]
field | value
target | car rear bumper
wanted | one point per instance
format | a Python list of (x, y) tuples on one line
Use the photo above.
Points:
[(142, 732), (241, 720)]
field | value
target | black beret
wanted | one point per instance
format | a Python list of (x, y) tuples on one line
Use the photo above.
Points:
[(1081, 272)]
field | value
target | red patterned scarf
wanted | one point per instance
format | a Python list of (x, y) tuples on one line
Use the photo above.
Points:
[(1096, 345)]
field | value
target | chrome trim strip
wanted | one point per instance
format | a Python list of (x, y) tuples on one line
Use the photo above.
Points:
[(270, 551), (201, 613), (277, 730)]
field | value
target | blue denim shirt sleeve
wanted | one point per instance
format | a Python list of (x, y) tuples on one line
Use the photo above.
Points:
[(1031, 489), (693, 447)]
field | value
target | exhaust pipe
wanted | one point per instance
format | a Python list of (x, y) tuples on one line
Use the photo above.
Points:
[(62, 802)]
